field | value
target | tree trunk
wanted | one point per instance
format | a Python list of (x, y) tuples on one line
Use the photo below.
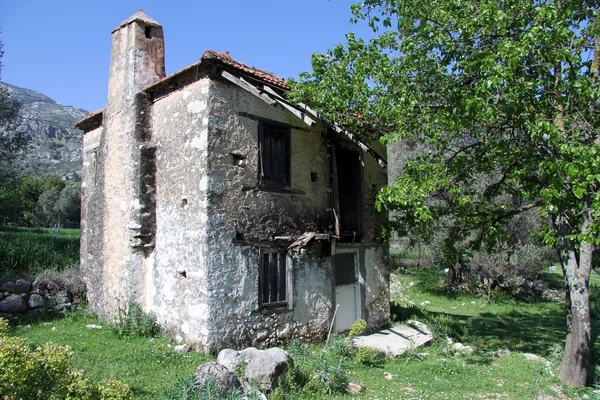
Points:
[(575, 363)]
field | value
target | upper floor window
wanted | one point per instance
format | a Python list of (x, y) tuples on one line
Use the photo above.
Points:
[(275, 160)]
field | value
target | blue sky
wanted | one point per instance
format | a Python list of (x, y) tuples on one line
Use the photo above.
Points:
[(62, 47)]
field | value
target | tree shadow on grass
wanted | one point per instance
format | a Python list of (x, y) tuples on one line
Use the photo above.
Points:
[(532, 330)]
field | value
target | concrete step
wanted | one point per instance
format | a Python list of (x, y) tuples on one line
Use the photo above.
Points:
[(396, 340)]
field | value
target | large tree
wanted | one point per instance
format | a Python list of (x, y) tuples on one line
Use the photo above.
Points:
[(504, 94)]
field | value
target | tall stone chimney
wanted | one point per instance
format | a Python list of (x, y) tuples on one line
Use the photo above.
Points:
[(137, 60)]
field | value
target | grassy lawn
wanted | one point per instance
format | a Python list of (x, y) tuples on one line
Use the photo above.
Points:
[(29, 251), (147, 365), (434, 372)]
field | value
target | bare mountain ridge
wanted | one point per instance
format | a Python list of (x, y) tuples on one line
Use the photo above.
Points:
[(55, 146)]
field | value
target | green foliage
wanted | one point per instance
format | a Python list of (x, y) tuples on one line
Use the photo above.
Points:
[(31, 252), (504, 96), (316, 370), (186, 389), (40, 201), (358, 328), (43, 373), (370, 357), (340, 346), (135, 322), (183, 389), (146, 365)]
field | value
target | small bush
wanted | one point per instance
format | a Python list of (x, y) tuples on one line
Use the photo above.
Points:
[(370, 357), (315, 370), (357, 328), (68, 280), (43, 373), (135, 322), (340, 346), (183, 389)]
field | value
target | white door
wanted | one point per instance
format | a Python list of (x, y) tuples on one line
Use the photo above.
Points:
[(346, 291)]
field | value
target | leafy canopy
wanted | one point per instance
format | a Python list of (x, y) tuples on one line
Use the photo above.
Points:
[(503, 93)]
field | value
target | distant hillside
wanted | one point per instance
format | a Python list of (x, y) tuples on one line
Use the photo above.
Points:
[(55, 146)]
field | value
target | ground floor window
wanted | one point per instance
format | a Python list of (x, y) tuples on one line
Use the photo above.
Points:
[(273, 278)]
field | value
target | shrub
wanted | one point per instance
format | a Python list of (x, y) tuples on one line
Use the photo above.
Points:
[(67, 280), (340, 346), (186, 389), (357, 328), (315, 370), (135, 322), (43, 373), (183, 389), (370, 357)]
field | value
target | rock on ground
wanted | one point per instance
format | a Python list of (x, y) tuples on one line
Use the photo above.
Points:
[(230, 359), (13, 304), (224, 379), (35, 301), (266, 367)]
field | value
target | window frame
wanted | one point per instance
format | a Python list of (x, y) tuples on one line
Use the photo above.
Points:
[(282, 257), (266, 156)]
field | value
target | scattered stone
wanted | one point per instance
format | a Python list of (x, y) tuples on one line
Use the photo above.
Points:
[(35, 285), (92, 326), (266, 367), (499, 353), (22, 286), (411, 284), (533, 357), (462, 348), (7, 287), (182, 348), (27, 326), (224, 379), (423, 304), (388, 376), (63, 299), (230, 359), (35, 301), (354, 388), (13, 304), (53, 329)]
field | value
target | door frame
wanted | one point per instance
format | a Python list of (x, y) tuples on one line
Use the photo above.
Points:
[(358, 291)]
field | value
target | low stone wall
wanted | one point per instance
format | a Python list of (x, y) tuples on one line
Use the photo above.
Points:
[(22, 298)]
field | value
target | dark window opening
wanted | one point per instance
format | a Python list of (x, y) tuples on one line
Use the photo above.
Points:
[(275, 160), (349, 171), (345, 269), (273, 278), (149, 32)]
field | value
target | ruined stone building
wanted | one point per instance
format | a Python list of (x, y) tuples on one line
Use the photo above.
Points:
[(234, 215)]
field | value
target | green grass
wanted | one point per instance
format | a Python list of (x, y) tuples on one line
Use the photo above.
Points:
[(147, 365), (29, 251)]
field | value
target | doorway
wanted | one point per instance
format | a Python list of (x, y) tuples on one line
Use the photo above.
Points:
[(347, 296)]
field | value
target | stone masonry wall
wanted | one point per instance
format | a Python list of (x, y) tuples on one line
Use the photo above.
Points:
[(178, 279)]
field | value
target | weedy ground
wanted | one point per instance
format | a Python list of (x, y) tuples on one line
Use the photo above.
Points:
[(150, 365)]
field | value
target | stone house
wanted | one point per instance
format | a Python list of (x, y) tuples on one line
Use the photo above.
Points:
[(234, 215)]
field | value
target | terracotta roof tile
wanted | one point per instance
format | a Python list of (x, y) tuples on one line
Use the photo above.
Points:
[(226, 59)]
